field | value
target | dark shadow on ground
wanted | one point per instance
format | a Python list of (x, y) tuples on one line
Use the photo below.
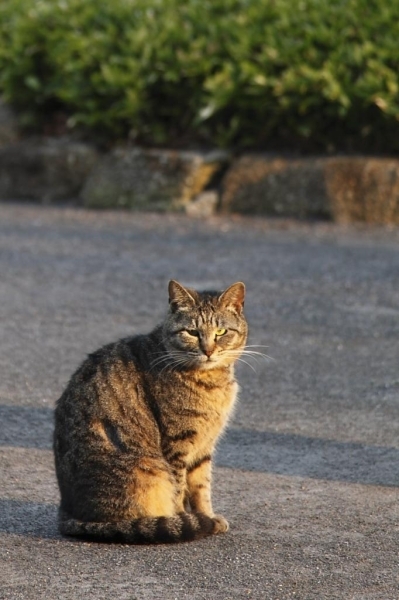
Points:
[(26, 426), (32, 519), (297, 455), (247, 449)]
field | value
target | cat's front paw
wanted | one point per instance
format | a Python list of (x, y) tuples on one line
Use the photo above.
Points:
[(221, 525)]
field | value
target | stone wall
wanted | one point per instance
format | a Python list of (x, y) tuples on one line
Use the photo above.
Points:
[(343, 189), (45, 170), (149, 179)]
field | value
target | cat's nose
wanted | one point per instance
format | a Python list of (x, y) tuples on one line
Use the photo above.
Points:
[(207, 350)]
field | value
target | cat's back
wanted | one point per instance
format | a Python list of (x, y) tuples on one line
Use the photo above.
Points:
[(107, 390), (102, 371)]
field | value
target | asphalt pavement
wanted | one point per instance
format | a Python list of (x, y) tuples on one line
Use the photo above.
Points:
[(307, 473)]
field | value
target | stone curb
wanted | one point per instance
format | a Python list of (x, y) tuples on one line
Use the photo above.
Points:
[(46, 171), (342, 189), (150, 179)]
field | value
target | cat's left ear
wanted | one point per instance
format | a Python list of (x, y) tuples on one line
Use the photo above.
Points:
[(233, 297)]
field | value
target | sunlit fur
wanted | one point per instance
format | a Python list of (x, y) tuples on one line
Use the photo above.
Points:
[(137, 425)]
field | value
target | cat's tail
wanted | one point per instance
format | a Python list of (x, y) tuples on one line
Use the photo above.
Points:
[(184, 527)]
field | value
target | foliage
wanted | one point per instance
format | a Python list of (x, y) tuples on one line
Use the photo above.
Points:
[(257, 73)]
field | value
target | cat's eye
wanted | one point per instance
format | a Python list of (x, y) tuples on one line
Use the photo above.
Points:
[(192, 332), (220, 332)]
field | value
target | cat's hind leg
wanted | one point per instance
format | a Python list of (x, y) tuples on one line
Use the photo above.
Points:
[(152, 490)]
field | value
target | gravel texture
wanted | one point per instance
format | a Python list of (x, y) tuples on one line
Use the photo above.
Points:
[(308, 472)]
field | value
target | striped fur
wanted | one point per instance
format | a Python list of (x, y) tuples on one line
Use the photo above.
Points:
[(184, 527), (137, 425)]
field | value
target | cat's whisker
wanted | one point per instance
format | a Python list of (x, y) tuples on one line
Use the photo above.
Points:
[(170, 362), (236, 355), (178, 358), (169, 365), (174, 364), (255, 353), (249, 353), (256, 346), (169, 356), (159, 361), (247, 363)]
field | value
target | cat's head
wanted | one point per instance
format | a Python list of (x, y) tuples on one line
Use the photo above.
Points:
[(204, 330)]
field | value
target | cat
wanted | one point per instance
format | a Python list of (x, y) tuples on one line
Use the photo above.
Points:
[(136, 426)]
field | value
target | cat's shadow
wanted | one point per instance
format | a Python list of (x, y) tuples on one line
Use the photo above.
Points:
[(29, 519), (316, 458), (26, 426), (246, 449)]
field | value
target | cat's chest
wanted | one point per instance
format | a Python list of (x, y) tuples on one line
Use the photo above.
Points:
[(217, 404), (201, 410), (216, 414), (204, 397)]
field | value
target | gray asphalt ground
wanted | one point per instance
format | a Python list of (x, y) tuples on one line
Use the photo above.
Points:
[(308, 472)]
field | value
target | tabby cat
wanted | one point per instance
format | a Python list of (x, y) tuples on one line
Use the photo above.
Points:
[(136, 427)]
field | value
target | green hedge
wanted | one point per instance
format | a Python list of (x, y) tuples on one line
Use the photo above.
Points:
[(308, 74)]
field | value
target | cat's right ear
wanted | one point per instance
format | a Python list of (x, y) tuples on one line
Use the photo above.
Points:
[(179, 297)]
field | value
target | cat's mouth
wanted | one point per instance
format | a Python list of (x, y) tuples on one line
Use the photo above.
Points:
[(197, 361), (209, 362)]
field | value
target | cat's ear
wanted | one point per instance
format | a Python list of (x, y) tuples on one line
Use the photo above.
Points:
[(233, 297), (179, 297)]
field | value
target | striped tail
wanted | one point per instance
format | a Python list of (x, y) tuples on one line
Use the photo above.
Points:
[(184, 527)]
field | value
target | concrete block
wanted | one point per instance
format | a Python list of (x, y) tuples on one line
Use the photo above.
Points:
[(148, 179), (256, 184), (344, 189), (46, 170)]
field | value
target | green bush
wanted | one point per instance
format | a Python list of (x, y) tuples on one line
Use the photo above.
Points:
[(268, 74)]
